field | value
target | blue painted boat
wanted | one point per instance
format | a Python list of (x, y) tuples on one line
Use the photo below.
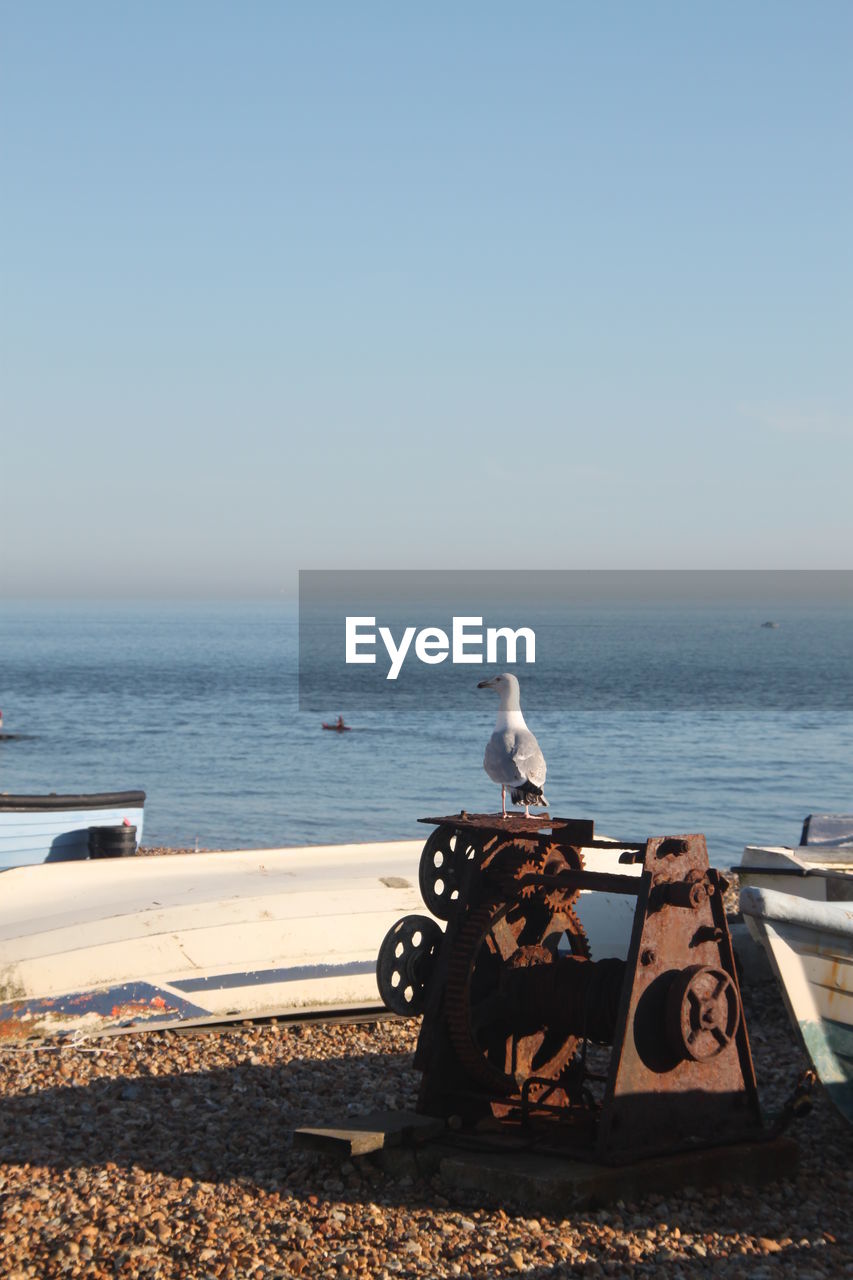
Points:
[(55, 828)]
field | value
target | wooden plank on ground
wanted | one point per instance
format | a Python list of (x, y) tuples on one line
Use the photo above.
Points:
[(359, 1135)]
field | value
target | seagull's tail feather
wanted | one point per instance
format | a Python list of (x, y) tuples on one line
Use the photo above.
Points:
[(528, 794)]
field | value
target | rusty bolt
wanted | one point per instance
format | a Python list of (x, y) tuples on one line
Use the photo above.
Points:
[(698, 893), (687, 893)]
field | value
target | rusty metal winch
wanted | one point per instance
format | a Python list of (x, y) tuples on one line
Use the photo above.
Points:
[(525, 1029)]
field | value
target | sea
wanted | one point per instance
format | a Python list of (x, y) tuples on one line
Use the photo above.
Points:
[(652, 721)]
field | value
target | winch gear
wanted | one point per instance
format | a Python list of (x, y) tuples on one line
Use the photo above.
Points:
[(493, 1042)]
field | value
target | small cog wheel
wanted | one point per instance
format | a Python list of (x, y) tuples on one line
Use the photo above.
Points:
[(550, 860), (529, 868)]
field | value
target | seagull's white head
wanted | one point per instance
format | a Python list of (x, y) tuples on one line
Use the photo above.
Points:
[(507, 686)]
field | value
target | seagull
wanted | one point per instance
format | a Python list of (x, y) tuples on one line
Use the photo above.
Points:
[(513, 757)]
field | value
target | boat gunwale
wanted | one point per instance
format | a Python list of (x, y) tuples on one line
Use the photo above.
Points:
[(52, 803), (827, 873), (783, 910)]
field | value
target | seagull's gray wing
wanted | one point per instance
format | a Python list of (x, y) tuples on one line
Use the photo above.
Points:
[(513, 757), (528, 758), (498, 760)]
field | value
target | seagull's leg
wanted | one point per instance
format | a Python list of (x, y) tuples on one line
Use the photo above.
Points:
[(527, 811), (503, 801)]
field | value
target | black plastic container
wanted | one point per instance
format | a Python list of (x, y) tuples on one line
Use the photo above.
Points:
[(112, 842)]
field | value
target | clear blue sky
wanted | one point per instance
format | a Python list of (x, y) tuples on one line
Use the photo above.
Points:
[(319, 285)]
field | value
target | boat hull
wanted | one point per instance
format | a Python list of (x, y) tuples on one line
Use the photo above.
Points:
[(809, 943), (36, 829)]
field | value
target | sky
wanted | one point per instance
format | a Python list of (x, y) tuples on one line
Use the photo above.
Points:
[(492, 285)]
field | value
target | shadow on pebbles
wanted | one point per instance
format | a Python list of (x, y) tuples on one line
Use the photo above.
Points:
[(169, 1155)]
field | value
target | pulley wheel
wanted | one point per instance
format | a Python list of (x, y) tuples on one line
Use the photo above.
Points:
[(702, 1013), (442, 866), (405, 962)]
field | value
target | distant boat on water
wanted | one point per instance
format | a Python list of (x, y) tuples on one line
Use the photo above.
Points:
[(338, 726), (7, 737), (54, 828)]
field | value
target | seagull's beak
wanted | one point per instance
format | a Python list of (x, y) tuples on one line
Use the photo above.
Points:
[(486, 684)]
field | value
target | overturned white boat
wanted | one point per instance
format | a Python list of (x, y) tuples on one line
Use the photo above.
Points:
[(798, 903), (119, 945)]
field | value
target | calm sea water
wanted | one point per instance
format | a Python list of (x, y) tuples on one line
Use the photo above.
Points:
[(652, 722)]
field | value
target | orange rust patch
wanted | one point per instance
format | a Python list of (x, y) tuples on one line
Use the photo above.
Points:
[(14, 1029), (139, 1008)]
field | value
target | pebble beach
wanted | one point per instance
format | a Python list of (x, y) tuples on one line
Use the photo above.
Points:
[(169, 1154)]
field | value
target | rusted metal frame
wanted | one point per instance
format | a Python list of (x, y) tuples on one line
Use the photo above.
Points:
[(727, 958), (661, 931), (575, 831)]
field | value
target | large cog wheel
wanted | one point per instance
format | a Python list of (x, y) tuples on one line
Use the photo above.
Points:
[(498, 1048)]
